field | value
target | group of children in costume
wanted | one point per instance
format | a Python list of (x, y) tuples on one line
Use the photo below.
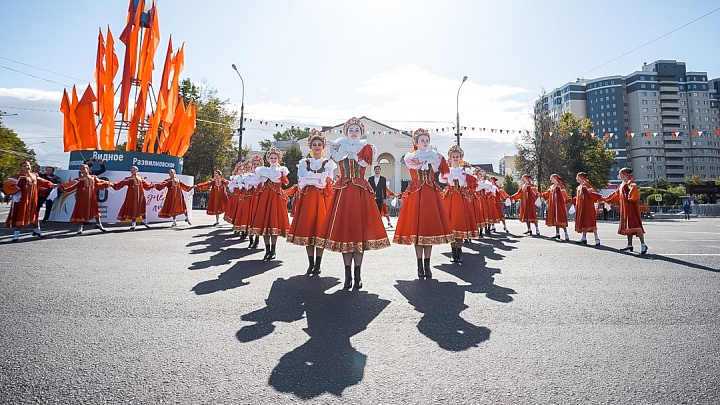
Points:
[(340, 213)]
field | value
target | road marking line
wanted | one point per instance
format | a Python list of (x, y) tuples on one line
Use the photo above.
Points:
[(689, 254)]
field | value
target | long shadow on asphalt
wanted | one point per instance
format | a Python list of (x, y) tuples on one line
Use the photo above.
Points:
[(327, 362), (235, 276), (441, 304), (654, 256)]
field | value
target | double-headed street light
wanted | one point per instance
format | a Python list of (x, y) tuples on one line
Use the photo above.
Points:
[(242, 110), (457, 105)]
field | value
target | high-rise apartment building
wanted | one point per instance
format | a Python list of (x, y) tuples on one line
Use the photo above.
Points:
[(671, 115)]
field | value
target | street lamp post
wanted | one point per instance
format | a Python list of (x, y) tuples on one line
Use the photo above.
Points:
[(242, 111), (457, 107)]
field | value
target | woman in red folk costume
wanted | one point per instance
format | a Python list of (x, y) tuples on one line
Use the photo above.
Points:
[(502, 199), (218, 199), (312, 200), (235, 187), (479, 209), (174, 203), (24, 187), (352, 224), (247, 205), (86, 202), (556, 214), (584, 201), (423, 221), (457, 201), (135, 205), (527, 194), (628, 195), (271, 216), (491, 195)]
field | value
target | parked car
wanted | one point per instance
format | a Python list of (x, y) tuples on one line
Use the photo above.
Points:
[(675, 212)]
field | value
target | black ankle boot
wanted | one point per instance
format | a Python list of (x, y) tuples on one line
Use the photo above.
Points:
[(348, 278), (267, 252), (454, 255), (459, 255), (243, 236), (311, 261), (358, 282), (421, 271), (272, 252), (428, 272), (257, 242), (316, 268)]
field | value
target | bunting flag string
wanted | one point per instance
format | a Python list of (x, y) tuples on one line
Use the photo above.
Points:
[(450, 130)]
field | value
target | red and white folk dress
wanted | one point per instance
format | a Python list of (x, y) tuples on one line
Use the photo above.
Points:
[(458, 202), (312, 200), (353, 222), (423, 220), (271, 214)]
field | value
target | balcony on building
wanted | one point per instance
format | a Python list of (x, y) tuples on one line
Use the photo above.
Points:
[(669, 89), (670, 121), (669, 104), (669, 96), (670, 152)]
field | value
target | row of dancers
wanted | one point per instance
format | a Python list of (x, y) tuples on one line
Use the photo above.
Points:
[(341, 214)]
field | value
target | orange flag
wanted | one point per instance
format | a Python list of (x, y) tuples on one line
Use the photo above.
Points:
[(106, 104), (137, 118), (189, 130), (151, 137), (164, 128), (100, 72), (172, 98), (172, 141), (166, 71), (69, 136), (84, 114), (150, 44), (73, 118), (129, 37)]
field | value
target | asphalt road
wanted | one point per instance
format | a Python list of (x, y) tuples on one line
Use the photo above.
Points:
[(189, 315)]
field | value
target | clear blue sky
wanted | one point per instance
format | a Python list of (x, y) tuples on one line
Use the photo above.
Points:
[(319, 62)]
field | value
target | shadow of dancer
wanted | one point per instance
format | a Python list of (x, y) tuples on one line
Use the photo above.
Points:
[(234, 277), (441, 304), (327, 362)]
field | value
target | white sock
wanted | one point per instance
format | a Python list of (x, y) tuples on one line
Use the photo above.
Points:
[(16, 235), (132, 224), (38, 231)]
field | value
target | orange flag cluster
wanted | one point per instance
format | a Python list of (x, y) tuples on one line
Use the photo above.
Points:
[(167, 127)]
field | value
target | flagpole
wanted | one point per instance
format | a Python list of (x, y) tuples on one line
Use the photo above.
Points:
[(457, 106), (242, 111)]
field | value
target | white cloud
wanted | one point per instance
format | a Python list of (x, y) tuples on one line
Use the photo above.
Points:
[(31, 94)]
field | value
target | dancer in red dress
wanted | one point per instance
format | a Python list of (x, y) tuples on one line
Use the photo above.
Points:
[(457, 201), (628, 195), (86, 202), (135, 204), (235, 186), (247, 205), (527, 194), (556, 197), (502, 199), (218, 198), (174, 203), (585, 216), (312, 200), (385, 212), (422, 221), (352, 224), (271, 215), (24, 187)]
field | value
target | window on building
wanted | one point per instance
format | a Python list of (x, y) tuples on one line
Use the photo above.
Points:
[(643, 94), (644, 110), (652, 93), (644, 102)]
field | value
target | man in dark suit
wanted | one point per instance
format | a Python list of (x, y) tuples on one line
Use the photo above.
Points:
[(379, 186)]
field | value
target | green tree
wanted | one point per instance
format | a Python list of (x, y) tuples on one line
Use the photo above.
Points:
[(538, 154), (12, 152), (211, 146), (510, 185), (583, 152), (291, 158)]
